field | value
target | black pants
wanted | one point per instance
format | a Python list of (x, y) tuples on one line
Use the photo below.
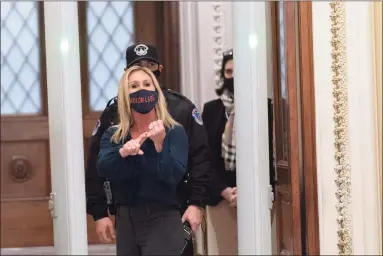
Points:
[(149, 230), (189, 251)]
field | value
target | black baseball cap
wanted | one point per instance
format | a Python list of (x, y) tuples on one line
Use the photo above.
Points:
[(138, 52)]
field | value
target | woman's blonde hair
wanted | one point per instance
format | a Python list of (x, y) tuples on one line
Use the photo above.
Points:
[(124, 112)]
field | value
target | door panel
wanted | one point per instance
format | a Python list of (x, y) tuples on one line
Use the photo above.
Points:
[(25, 169), (296, 202), (287, 133), (27, 172), (26, 222)]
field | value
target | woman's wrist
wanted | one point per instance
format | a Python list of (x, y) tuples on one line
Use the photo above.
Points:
[(158, 147), (226, 192), (122, 152)]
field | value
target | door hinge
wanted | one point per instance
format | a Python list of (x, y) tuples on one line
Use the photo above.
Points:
[(52, 203), (271, 197)]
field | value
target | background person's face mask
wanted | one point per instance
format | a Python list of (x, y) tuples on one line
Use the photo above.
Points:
[(228, 83), (143, 101)]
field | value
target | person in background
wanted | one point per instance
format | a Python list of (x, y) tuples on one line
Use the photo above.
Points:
[(192, 191), (145, 157), (218, 116)]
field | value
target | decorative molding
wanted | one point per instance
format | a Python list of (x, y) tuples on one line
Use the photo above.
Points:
[(190, 75), (218, 39), (204, 31), (20, 169), (340, 105)]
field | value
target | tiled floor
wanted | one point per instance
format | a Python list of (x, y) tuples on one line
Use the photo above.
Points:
[(93, 250)]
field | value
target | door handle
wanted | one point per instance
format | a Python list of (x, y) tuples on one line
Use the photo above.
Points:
[(51, 204)]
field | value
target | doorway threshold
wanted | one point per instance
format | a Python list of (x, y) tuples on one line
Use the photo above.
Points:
[(96, 249)]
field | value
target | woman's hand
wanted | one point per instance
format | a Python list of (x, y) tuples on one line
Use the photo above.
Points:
[(230, 195), (233, 199), (157, 134), (133, 147), (105, 230)]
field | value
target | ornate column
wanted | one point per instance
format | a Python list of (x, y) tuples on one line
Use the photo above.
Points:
[(250, 49)]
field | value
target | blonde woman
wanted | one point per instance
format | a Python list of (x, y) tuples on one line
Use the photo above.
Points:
[(145, 157)]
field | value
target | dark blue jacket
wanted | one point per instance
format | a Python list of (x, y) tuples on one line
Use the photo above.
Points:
[(152, 177)]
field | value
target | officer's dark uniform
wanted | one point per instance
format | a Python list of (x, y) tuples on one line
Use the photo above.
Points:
[(199, 161), (195, 191)]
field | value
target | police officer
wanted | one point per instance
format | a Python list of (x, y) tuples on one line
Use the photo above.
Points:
[(193, 194)]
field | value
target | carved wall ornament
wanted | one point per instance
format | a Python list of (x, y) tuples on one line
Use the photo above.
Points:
[(218, 39), (20, 169), (340, 105)]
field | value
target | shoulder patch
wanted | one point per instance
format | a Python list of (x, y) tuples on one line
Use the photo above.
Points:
[(197, 117), (95, 129)]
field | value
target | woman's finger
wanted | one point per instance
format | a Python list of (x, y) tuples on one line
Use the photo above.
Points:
[(131, 150), (141, 138), (152, 133), (134, 149), (111, 231), (194, 226), (126, 146), (104, 237), (155, 125)]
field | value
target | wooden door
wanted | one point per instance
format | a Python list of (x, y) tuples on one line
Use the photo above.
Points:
[(288, 172), (294, 121), (106, 29), (25, 167)]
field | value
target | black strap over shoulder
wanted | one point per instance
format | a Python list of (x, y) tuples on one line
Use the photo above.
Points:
[(112, 101), (109, 115)]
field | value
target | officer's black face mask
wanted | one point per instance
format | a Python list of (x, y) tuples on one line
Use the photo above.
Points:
[(157, 73), (143, 101), (228, 83)]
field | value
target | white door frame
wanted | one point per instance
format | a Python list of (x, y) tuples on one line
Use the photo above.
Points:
[(250, 50), (65, 128)]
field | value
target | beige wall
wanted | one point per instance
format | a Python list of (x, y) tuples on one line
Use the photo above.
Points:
[(378, 83)]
